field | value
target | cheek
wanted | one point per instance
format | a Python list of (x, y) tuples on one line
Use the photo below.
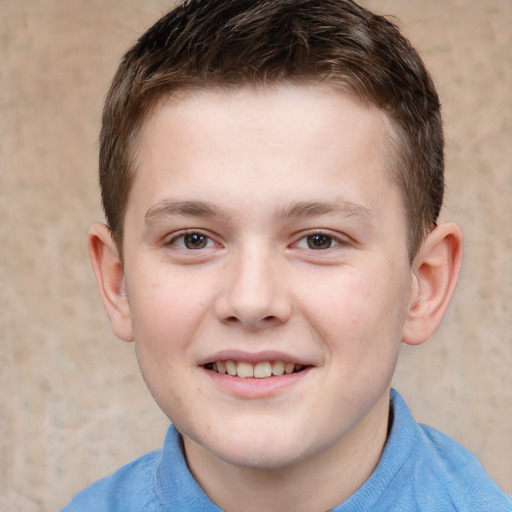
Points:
[(167, 310), (167, 313), (342, 299), (356, 312)]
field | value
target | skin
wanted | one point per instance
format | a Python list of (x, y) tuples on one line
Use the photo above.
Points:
[(256, 177)]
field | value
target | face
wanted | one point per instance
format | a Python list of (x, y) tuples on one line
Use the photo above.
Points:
[(266, 271)]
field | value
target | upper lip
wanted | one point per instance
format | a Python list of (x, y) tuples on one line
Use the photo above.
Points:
[(253, 357)]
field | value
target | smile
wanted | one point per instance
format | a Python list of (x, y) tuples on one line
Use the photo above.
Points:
[(262, 370)]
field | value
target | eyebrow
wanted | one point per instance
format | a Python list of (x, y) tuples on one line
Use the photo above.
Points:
[(295, 209), (195, 208), (313, 208)]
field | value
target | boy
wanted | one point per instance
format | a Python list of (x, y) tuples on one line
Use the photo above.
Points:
[(272, 175)]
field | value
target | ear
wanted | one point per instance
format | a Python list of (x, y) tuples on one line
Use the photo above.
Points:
[(435, 270), (109, 271)]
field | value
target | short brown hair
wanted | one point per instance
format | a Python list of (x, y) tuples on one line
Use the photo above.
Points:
[(226, 43)]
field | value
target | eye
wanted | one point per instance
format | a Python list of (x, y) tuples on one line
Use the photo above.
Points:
[(192, 241), (317, 241)]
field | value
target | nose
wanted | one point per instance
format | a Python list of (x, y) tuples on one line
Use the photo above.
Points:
[(253, 293)]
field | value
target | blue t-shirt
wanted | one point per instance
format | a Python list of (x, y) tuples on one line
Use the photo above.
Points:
[(421, 470)]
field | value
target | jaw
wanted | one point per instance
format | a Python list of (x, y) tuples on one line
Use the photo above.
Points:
[(269, 473), (277, 421)]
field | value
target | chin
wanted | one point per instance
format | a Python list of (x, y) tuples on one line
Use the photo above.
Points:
[(258, 450), (259, 458), (256, 440)]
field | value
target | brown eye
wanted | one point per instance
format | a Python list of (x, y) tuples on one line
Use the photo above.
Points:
[(319, 241), (195, 241)]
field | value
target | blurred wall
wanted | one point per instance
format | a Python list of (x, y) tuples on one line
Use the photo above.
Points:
[(72, 406)]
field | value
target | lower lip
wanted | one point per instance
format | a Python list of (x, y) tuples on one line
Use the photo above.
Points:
[(256, 388)]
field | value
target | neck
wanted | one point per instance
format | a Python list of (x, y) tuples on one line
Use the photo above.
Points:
[(317, 483)]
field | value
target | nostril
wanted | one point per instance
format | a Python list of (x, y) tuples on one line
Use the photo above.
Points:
[(265, 320)]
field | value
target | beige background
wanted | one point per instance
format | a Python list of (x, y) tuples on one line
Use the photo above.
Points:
[(72, 405)]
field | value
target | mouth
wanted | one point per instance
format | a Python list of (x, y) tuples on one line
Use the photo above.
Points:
[(248, 370)]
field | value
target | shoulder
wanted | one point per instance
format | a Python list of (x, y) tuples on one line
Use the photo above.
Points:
[(441, 472), (157, 482), (457, 474), (129, 489), (423, 470)]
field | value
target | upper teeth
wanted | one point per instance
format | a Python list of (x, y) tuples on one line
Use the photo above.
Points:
[(258, 370)]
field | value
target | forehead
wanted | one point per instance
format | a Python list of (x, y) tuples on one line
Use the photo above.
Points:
[(282, 111), (293, 141)]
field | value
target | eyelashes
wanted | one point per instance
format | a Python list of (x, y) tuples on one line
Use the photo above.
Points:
[(197, 241), (317, 242), (192, 241)]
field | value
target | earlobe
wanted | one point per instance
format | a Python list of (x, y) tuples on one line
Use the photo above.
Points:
[(435, 270), (109, 271)]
